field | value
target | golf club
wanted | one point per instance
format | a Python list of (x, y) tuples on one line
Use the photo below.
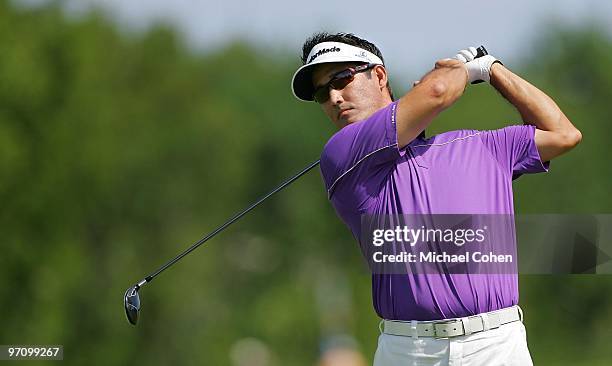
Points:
[(131, 298)]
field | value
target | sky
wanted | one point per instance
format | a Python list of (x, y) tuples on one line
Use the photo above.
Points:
[(412, 35)]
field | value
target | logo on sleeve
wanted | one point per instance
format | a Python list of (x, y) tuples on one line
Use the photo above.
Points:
[(322, 52)]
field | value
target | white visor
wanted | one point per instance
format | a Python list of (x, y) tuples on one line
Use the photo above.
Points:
[(327, 52)]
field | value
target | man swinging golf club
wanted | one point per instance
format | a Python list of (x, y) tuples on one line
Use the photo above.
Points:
[(381, 162)]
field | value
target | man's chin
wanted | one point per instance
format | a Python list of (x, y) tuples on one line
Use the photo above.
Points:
[(341, 123), (351, 119), (347, 120)]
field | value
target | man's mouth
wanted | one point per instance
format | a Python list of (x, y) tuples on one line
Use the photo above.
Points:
[(343, 112)]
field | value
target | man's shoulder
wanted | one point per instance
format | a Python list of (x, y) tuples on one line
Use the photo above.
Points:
[(344, 138), (350, 129)]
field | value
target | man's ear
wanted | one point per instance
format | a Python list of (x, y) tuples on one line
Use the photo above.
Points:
[(381, 75)]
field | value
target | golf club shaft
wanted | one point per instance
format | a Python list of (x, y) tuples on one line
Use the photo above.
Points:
[(237, 216)]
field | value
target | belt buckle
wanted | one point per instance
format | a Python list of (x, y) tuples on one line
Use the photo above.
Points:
[(444, 322)]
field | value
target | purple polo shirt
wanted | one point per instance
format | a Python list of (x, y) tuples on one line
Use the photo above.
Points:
[(457, 172)]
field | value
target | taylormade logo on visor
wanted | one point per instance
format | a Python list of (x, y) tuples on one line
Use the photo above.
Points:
[(322, 52)]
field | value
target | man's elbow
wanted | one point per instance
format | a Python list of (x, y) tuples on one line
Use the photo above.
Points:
[(571, 137)]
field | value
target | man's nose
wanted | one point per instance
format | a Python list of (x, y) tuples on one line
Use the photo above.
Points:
[(335, 96)]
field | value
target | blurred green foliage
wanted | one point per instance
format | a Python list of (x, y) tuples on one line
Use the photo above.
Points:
[(117, 152)]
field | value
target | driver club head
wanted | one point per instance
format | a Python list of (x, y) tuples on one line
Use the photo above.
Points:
[(131, 301)]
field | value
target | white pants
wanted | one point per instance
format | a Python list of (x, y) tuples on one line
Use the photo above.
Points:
[(506, 345)]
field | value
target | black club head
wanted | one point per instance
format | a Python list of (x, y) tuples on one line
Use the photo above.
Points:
[(131, 301)]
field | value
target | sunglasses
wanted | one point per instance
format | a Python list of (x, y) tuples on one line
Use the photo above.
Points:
[(339, 81)]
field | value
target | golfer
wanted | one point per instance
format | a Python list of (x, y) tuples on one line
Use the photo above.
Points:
[(380, 162)]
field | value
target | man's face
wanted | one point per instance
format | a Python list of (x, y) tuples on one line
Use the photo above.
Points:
[(358, 100)]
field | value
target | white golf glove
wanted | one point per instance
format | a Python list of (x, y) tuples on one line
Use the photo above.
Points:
[(479, 69)]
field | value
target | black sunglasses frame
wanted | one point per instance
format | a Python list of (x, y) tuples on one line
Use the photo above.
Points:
[(339, 81)]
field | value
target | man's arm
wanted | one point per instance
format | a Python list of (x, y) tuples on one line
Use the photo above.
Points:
[(436, 91), (555, 134)]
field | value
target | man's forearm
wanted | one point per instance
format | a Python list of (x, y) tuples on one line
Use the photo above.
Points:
[(436, 91), (555, 134), (535, 107)]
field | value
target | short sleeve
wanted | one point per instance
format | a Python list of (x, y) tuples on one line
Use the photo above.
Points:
[(515, 150), (359, 151)]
